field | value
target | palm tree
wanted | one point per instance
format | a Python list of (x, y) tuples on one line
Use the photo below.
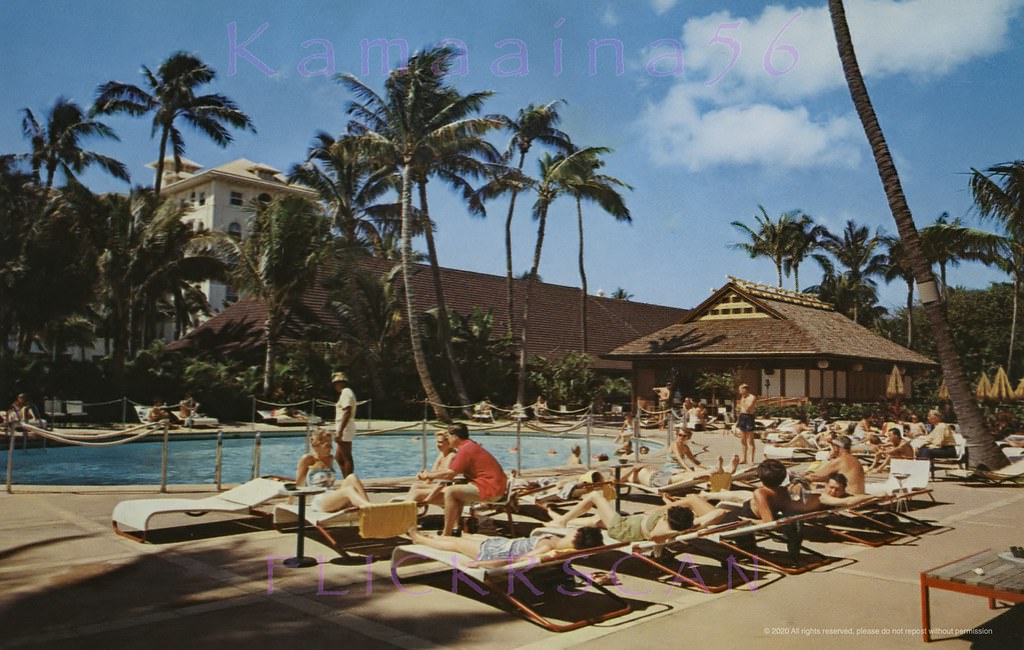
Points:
[(947, 243), (171, 97), (350, 187), (896, 265), (553, 181), (803, 239), (531, 124), (402, 128), (770, 239), (981, 445), (999, 196), (288, 239), (57, 144), (621, 294), (855, 250), (603, 190)]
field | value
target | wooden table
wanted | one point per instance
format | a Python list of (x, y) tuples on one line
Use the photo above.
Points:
[(1000, 580)]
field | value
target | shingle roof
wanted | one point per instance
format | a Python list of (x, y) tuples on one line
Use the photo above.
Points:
[(554, 315), (792, 330)]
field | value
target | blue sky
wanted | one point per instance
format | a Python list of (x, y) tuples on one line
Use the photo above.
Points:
[(700, 148)]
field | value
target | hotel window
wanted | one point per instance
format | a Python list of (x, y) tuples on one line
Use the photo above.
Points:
[(202, 198), (192, 198), (236, 198), (264, 198), (234, 230)]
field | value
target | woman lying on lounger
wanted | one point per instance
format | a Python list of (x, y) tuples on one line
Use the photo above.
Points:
[(657, 476), (497, 551), (658, 525)]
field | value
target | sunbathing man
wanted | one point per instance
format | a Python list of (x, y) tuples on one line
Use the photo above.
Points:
[(897, 447), (496, 551), (772, 500), (657, 476), (844, 462), (487, 480), (658, 525), (426, 491)]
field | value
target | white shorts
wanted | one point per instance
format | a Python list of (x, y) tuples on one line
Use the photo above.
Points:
[(346, 436)]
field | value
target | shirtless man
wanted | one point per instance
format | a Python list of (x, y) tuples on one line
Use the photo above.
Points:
[(664, 394), (845, 463), (896, 447), (771, 498), (745, 407)]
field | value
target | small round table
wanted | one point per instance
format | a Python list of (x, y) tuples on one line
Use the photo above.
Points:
[(902, 501), (302, 492)]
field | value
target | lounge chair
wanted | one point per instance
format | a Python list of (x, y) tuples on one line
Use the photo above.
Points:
[(1012, 474), (283, 419), (377, 521), (500, 581), (915, 473), (743, 540), (244, 499)]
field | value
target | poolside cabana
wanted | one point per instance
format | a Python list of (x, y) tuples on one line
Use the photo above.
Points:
[(781, 343)]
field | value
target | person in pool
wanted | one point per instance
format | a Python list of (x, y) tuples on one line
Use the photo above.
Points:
[(497, 551), (575, 455)]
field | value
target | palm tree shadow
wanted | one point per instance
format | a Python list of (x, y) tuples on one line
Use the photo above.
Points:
[(689, 341), (14, 550)]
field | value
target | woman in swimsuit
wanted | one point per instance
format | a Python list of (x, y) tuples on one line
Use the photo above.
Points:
[(496, 551), (317, 470), (424, 491)]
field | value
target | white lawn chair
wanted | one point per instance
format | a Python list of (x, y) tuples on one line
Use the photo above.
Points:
[(137, 513)]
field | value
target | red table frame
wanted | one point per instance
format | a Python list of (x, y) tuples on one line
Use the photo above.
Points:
[(991, 593)]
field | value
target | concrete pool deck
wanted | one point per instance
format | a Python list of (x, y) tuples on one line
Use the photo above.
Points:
[(70, 582)]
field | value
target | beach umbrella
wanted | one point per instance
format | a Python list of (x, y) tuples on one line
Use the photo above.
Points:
[(1001, 390), (984, 386), (1020, 389), (943, 392), (894, 390)]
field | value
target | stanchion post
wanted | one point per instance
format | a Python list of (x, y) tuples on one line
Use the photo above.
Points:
[(519, 446), (10, 458), (636, 436), (253, 412), (163, 456), (671, 428), (590, 425), (124, 410), (369, 414), (309, 429), (423, 435), (220, 459), (257, 452)]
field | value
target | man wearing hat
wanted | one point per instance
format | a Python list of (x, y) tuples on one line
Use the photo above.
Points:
[(345, 423), (845, 463)]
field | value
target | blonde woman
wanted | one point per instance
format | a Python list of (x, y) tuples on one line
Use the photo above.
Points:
[(423, 491)]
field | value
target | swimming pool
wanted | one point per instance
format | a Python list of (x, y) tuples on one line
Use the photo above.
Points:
[(193, 461)]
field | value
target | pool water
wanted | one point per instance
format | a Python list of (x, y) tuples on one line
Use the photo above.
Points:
[(193, 461)]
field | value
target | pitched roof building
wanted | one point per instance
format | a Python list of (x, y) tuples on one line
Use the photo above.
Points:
[(554, 315), (780, 343)]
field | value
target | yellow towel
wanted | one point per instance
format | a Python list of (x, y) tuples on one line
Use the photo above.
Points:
[(719, 481), (383, 520)]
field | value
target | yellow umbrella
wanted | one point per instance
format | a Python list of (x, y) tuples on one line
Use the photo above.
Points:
[(1001, 390), (943, 392), (1020, 389), (984, 386), (895, 388)]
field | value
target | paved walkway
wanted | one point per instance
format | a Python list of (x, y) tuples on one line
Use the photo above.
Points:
[(69, 582)]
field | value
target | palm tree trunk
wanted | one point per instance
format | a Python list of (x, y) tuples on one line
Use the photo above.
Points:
[(521, 383), (583, 279), (270, 331), (509, 279), (910, 313), (158, 183), (796, 277), (1013, 325), (778, 271), (981, 445), (51, 170), (442, 308), (413, 318)]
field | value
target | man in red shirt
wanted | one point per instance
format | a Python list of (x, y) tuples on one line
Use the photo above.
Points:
[(487, 480)]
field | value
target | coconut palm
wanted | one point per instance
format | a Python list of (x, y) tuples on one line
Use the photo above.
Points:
[(171, 96), (57, 143), (771, 239), (896, 266), (531, 124), (556, 172), (980, 443), (999, 197), (803, 239), (858, 253), (401, 128), (588, 185), (350, 187), (276, 264), (947, 243), (621, 294)]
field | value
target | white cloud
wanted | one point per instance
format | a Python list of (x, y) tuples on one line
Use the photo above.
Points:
[(758, 112), (609, 18), (916, 37), (678, 132), (661, 6)]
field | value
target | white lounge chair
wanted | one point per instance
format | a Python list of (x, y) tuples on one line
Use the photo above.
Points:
[(282, 419), (917, 474), (378, 521), (137, 513), (499, 582)]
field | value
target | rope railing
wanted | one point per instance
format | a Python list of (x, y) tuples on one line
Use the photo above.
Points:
[(280, 405), (119, 400), (148, 428), (573, 427), (66, 433)]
